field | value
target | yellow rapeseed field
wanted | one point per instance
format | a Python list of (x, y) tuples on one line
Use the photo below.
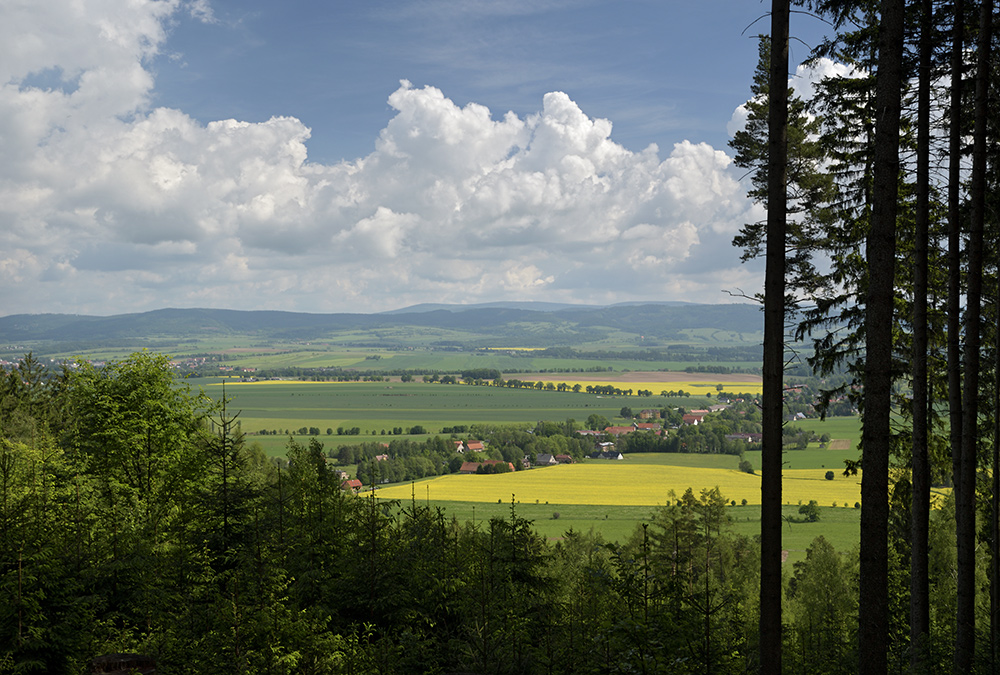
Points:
[(611, 483), (704, 384)]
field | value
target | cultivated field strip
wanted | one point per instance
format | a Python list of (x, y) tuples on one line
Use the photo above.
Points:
[(611, 483)]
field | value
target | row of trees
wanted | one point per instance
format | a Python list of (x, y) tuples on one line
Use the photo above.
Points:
[(886, 263)]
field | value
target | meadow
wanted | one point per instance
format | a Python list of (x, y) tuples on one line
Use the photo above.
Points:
[(613, 502), (619, 523)]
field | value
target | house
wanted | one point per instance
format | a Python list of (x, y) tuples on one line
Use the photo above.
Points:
[(525, 462), (692, 419), (545, 459), (354, 485), (475, 446), (473, 467), (618, 431), (649, 414), (341, 474), (749, 438), (564, 459), (490, 462), (381, 458), (648, 426), (459, 447), (607, 454)]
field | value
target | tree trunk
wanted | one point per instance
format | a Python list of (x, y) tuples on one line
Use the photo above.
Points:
[(995, 525), (774, 341), (955, 242), (876, 433), (965, 483), (920, 505)]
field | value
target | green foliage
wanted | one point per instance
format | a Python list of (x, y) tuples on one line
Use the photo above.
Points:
[(822, 603), (810, 511), (212, 558)]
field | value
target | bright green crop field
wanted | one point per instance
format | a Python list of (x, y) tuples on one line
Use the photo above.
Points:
[(845, 429), (376, 406)]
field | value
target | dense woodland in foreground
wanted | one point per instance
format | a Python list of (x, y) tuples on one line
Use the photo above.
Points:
[(135, 518)]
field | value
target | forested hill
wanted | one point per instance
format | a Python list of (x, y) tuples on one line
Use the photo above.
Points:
[(572, 324)]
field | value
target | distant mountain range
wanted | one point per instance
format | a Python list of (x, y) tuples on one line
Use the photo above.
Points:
[(534, 306), (528, 324)]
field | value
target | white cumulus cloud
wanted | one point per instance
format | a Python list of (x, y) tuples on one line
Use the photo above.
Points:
[(109, 204)]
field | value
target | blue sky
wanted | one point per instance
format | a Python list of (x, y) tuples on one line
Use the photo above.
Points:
[(367, 156)]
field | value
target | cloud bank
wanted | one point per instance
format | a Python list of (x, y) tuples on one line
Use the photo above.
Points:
[(109, 204)]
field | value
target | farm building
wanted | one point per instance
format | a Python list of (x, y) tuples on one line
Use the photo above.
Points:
[(469, 446), (474, 467)]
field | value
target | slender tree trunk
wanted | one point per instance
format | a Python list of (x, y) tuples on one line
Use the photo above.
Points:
[(921, 493), (955, 242), (955, 245), (873, 631), (965, 483), (995, 525), (774, 340)]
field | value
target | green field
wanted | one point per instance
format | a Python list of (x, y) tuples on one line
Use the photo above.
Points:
[(346, 351), (618, 523), (621, 485), (378, 406), (814, 457)]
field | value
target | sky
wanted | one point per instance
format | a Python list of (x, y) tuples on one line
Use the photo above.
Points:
[(367, 156)]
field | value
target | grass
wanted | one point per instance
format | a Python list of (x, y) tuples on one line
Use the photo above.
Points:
[(840, 526), (815, 457)]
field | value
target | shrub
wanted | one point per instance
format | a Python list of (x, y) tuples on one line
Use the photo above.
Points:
[(829, 475), (857, 505), (810, 511)]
